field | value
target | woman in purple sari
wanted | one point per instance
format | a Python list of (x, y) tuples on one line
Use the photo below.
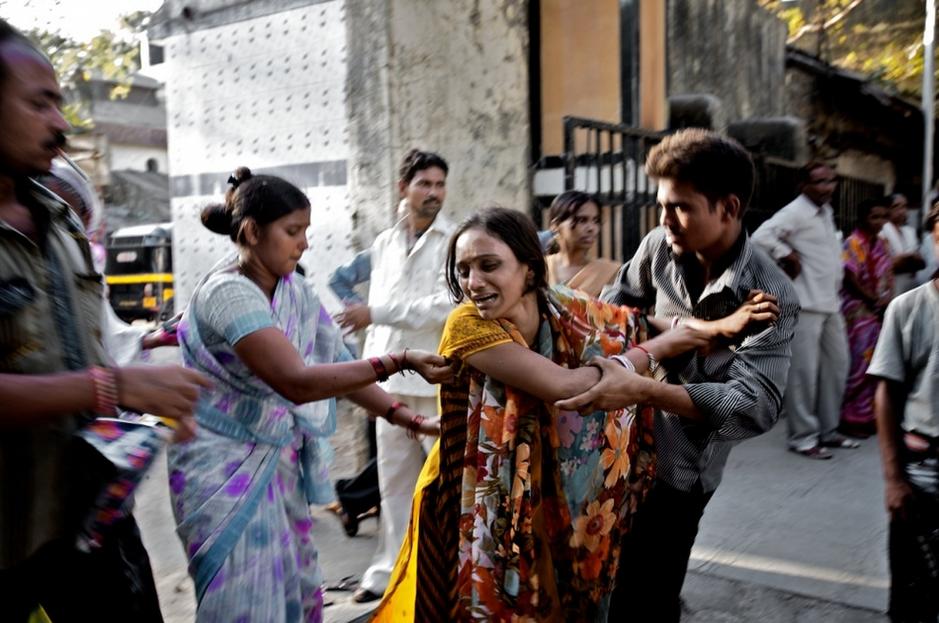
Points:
[(868, 284), (241, 489)]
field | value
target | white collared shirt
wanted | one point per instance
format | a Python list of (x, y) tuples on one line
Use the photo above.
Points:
[(809, 230), (408, 297), (900, 240), (927, 248)]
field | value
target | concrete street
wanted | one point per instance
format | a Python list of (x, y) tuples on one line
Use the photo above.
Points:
[(784, 539)]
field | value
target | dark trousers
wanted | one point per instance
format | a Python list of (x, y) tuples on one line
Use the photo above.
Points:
[(655, 554), (113, 583), (913, 546), (360, 493)]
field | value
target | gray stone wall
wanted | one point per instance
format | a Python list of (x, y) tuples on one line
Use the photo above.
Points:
[(447, 76), (729, 48), (371, 165)]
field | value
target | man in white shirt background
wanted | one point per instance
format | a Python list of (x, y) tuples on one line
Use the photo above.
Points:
[(903, 244), (408, 304), (803, 239), (927, 250)]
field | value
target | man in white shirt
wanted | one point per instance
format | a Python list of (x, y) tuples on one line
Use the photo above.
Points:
[(408, 304), (927, 250), (903, 245), (803, 239)]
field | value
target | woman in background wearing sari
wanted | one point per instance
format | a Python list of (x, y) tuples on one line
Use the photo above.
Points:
[(865, 293), (575, 223), (241, 489), (519, 510)]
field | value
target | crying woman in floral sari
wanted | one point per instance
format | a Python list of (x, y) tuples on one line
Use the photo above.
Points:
[(520, 510)]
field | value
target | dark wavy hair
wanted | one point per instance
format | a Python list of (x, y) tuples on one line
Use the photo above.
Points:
[(514, 228), (261, 198), (715, 165), (416, 160), (566, 205), (805, 171), (9, 34), (932, 217), (867, 206)]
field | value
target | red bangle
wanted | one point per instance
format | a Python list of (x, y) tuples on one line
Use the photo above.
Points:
[(104, 382), (405, 366), (397, 363), (391, 410), (381, 373), (653, 363), (414, 425)]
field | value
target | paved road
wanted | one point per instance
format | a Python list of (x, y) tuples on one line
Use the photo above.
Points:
[(784, 539)]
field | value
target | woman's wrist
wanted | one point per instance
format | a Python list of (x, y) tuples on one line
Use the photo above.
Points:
[(652, 357), (400, 414), (401, 362), (658, 347), (414, 425), (394, 409), (379, 368), (396, 363)]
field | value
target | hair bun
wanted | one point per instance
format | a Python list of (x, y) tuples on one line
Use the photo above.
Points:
[(241, 174), (217, 218)]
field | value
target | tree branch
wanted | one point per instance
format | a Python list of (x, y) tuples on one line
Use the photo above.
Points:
[(831, 21)]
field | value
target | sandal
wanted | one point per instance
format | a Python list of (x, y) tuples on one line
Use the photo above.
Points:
[(349, 523), (815, 452), (348, 583), (840, 441), (363, 595), (857, 431)]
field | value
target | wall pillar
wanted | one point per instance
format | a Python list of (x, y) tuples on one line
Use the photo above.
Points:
[(653, 107)]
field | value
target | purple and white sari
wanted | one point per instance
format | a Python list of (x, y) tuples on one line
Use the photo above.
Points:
[(241, 489)]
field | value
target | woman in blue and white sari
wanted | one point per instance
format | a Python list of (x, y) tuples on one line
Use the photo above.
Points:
[(241, 489)]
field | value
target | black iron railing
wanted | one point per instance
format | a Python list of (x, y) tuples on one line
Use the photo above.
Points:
[(607, 160), (777, 183)]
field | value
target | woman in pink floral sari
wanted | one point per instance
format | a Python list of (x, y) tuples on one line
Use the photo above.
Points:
[(868, 284)]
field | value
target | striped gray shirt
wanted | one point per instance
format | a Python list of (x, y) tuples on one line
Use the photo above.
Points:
[(739, 386)]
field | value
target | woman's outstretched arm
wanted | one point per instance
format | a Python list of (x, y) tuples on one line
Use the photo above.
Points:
[(380, 403), (272, 357), (521, 367)]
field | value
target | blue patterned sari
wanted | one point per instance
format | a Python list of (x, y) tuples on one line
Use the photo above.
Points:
[(241, 489)]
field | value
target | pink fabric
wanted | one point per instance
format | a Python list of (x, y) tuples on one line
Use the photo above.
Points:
[(869, 260)]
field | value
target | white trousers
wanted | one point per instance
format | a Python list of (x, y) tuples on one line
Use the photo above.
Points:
[(400, 460), (817, 376)]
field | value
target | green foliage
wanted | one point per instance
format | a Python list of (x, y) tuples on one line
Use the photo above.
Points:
[(110, 55), (881, 39)]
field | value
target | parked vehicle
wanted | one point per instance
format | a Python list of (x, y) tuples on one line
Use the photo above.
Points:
[(139, 271)]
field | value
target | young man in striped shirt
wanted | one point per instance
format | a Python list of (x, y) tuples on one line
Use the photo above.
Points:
[(699, 263)]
